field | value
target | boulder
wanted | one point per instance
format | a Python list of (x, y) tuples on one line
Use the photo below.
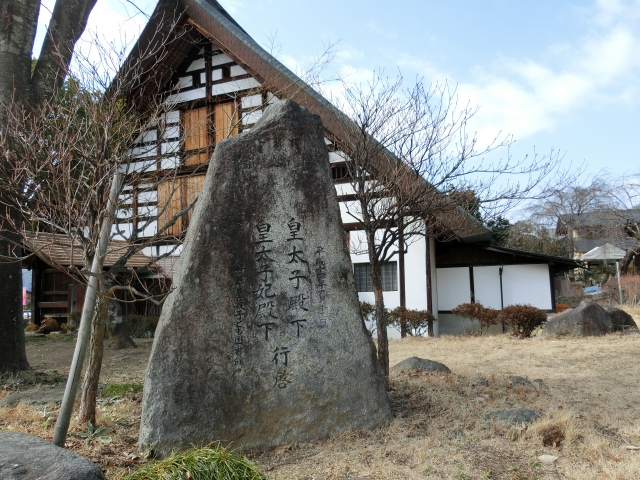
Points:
[(417, 364), (40, 396), (520, 381), (25, 457), (261, 342), (479, 382), (587, 319), (514, 417), (621, 320)]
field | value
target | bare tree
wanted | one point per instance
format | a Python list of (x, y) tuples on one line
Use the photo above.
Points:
[(576, 208), (534, 238), (624, 213), (18, 23), (408, 147), (66, 176)]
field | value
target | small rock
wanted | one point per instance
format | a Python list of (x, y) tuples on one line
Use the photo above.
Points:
[(25, 457), (514, 417), (516, 380), (51, 395), (547, 458), (422, 365), (479, 382)]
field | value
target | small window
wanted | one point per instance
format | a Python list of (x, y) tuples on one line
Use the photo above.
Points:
[(388, 270), (339, 172)]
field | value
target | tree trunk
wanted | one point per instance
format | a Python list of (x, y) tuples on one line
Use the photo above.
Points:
[(626, 261), (91, 380), (18, 20), (381, 320)]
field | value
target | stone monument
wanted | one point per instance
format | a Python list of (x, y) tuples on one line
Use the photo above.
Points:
[(262, 343)]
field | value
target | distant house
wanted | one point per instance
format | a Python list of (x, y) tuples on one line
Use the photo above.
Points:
[(588, 231), (218, 81)]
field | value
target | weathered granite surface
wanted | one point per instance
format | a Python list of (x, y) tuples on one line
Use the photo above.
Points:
[(25, 457), (39, 396), (621, 320), (587, 319), (262, 342), (421, 365), (514, 417)]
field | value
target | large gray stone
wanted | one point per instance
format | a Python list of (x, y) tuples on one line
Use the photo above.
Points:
[(587, 319), (621, 320), (25, 457), (262, 342), (418, 364)]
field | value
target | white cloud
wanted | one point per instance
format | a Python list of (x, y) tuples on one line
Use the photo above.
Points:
[(524, 97)]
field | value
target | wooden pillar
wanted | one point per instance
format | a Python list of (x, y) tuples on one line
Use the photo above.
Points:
[(427, 240), (402, 287)]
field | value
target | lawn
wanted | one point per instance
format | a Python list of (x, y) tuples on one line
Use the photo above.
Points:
[(586, 389)]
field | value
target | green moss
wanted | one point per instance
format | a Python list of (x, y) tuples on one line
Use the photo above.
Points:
[(208, 463), (120, 389)]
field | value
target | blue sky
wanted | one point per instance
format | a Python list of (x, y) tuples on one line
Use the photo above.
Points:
[(555, 74)]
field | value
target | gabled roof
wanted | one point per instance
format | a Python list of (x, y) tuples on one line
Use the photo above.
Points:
[(61, 251), (213, 22), (604, 252)]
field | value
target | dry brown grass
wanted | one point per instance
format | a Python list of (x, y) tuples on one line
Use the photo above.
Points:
[(588, 394)]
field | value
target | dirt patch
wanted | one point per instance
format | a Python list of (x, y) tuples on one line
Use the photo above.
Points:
[(586, 390)]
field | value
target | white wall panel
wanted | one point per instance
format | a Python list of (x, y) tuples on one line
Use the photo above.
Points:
[(349, 212), (528, 284), (236, 70), (143, 152), (486, 282), (197, 65), (172, 117), (169, 147), (454, 287), (188, 96), (148, 196), (336, 157), (344, 189), (148, 136), (147, 166), (169, 163), (171, 132), (184, 82), (148, 211), (415, 268), (121, 231), (216, 74), (219, 59), (124, 213), (149, 229), (251, 117), (251, 101), (234, 86)]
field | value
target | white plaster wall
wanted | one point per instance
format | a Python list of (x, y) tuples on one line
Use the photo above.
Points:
[(454, 287), (415, 267), (527, 284), (486, 282)]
